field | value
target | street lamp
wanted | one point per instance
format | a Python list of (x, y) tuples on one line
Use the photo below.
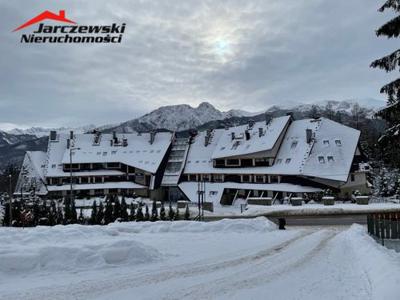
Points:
[(71, 149), (10, 207)]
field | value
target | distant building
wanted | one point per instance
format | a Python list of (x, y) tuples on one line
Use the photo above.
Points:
[(275, 158)]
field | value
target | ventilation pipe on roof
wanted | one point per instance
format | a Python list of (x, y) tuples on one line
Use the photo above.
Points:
[(68, 143), (267, 119), (251, 124), (115, 138), (247, 134), (232, 136), (53, 135), (260, 132), (124, 142), (152, 137), (308, 135), (71, 135)]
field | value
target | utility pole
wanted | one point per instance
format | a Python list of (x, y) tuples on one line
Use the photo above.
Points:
[(10, 193)]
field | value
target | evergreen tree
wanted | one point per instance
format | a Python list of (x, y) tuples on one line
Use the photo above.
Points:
[(116, 209), (60, 217), (100, 214), (171, 213), (108, 213), (93, 215), (124, 210), (162, 212), (52, 213), (74, 217), (390, 140), (67, 211), (187, 213), (146, 214), (177, 215), (154, 212), (132, 214), (81, 218), (139, 215)]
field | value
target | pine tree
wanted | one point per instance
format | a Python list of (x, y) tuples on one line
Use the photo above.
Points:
[(60, 216), (132, 214), (171, 213), (74, 217), (100, 214), (93, 215), (177, 215), (52, 213), (391, 114), (139, 215), (116, 209), (81, 218), (124, 210), (146, 214), (162, 212), (108, 213), (187, 213), (67, 211), (154, 212)]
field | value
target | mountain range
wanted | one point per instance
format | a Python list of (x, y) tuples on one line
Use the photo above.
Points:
[(181, 118)]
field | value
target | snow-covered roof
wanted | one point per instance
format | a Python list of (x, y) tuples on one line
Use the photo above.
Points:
[(138, 152), (329, 155), (32, 172), (239, 145)]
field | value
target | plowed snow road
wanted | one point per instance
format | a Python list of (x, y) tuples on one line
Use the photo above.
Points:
[(303, 263)]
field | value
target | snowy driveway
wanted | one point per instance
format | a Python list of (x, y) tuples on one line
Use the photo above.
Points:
[(229, 259)]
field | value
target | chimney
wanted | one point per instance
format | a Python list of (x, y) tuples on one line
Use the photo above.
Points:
[(71, 135), (53, 135), (152, 137), (308, 135), (232, 136), (267, 119), (251, 124), (247, 134), (260, 132), (62, 14), (115, 139), (124, 142), (68, 143)]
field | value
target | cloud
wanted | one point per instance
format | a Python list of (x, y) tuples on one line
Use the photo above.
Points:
[(235, 54)]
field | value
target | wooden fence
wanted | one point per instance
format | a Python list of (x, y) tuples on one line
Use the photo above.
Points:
[(384, 226)]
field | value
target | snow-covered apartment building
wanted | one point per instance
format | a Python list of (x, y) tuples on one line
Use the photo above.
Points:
[(276, 158)]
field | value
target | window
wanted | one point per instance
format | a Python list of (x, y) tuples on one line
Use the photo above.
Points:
[(113, 152), (262, 162), (321, 159), (218, 177), (246, 178), (326, 142), (331, 159), (294, 144), (279, 161), (104, 153), (219, 163), (259, 179), (232, 162), (287, 160), (338, 142)]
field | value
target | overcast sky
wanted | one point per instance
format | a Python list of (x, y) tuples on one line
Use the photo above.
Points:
[(234, 54)]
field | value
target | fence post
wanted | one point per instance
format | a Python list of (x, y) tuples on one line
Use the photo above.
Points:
[(394, 223), (387, 225), (377, 232), (382, 229)]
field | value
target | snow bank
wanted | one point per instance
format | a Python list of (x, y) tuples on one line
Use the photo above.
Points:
[(259, 224), (69, 248), (380, 264), (77, 247)]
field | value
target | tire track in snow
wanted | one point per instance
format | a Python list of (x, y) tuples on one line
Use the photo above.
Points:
[(260, 273), (91, 288)]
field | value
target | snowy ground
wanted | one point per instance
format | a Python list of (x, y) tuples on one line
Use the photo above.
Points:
[(228, 259)]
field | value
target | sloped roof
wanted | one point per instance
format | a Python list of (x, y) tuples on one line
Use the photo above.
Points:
[(228, 147), (295, 155), (138, 153)]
